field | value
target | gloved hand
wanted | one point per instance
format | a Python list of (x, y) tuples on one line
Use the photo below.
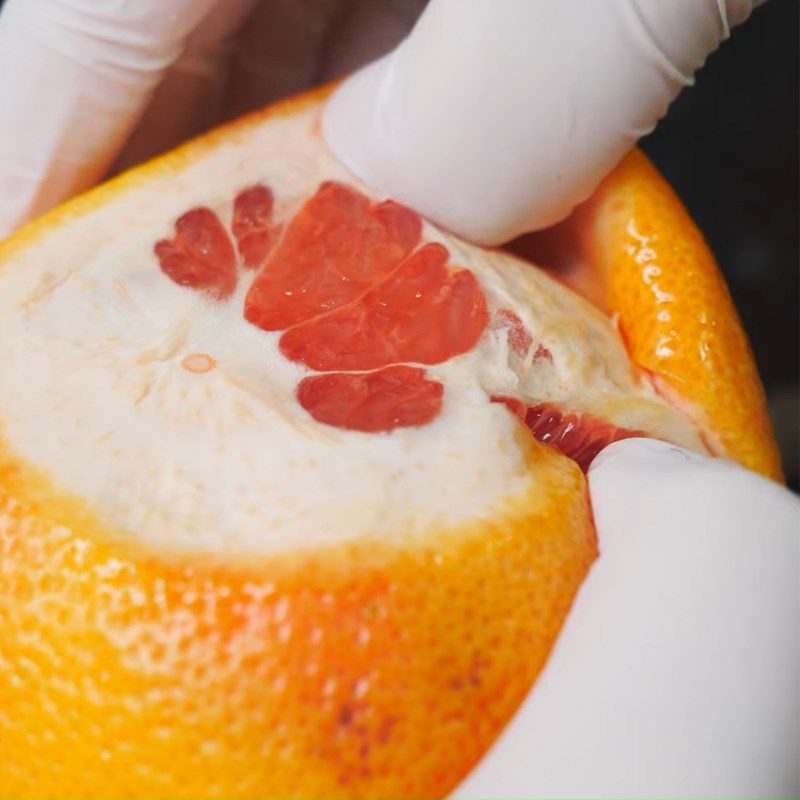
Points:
[(678, 670), (87, 84), (498, 123)]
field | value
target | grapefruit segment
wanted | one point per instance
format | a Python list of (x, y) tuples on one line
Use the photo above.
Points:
[(333, 251), (373, 402), (252, 214), (422, 314), (200, 255)]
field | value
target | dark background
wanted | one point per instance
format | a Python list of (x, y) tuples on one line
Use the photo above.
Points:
[(729, 146)]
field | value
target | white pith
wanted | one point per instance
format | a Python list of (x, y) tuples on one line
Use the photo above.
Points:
[(98, 387)]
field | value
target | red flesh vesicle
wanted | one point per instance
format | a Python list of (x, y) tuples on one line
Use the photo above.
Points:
[(373, 402), (519, 338), (577, 436), (333, 252), (251, 225), (422, 313), (200, 255)]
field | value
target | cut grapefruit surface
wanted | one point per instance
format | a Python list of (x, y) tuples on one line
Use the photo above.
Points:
[(290, 480), (262, 453)]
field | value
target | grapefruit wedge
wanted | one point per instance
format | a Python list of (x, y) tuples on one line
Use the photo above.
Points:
[(291, 500)]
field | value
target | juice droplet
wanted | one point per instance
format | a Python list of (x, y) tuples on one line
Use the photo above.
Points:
[(198, 363)]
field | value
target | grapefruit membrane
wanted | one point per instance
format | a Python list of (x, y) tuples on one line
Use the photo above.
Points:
[(291, 499)]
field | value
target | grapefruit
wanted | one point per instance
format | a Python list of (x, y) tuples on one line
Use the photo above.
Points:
[(291, 500)]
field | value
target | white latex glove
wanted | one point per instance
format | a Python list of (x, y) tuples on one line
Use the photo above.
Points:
[(85, 84), (75, 78), (677, 673), (497, 118)]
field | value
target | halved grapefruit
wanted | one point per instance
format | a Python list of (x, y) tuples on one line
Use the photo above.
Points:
[(272, 519)]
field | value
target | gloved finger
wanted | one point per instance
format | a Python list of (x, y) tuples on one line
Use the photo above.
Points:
[(677, 671), (363, 31), (494, 121), (190, 97), (291, 45), (74, 78)]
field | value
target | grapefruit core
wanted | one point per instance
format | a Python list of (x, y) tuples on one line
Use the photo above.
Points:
[(291, 500)]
